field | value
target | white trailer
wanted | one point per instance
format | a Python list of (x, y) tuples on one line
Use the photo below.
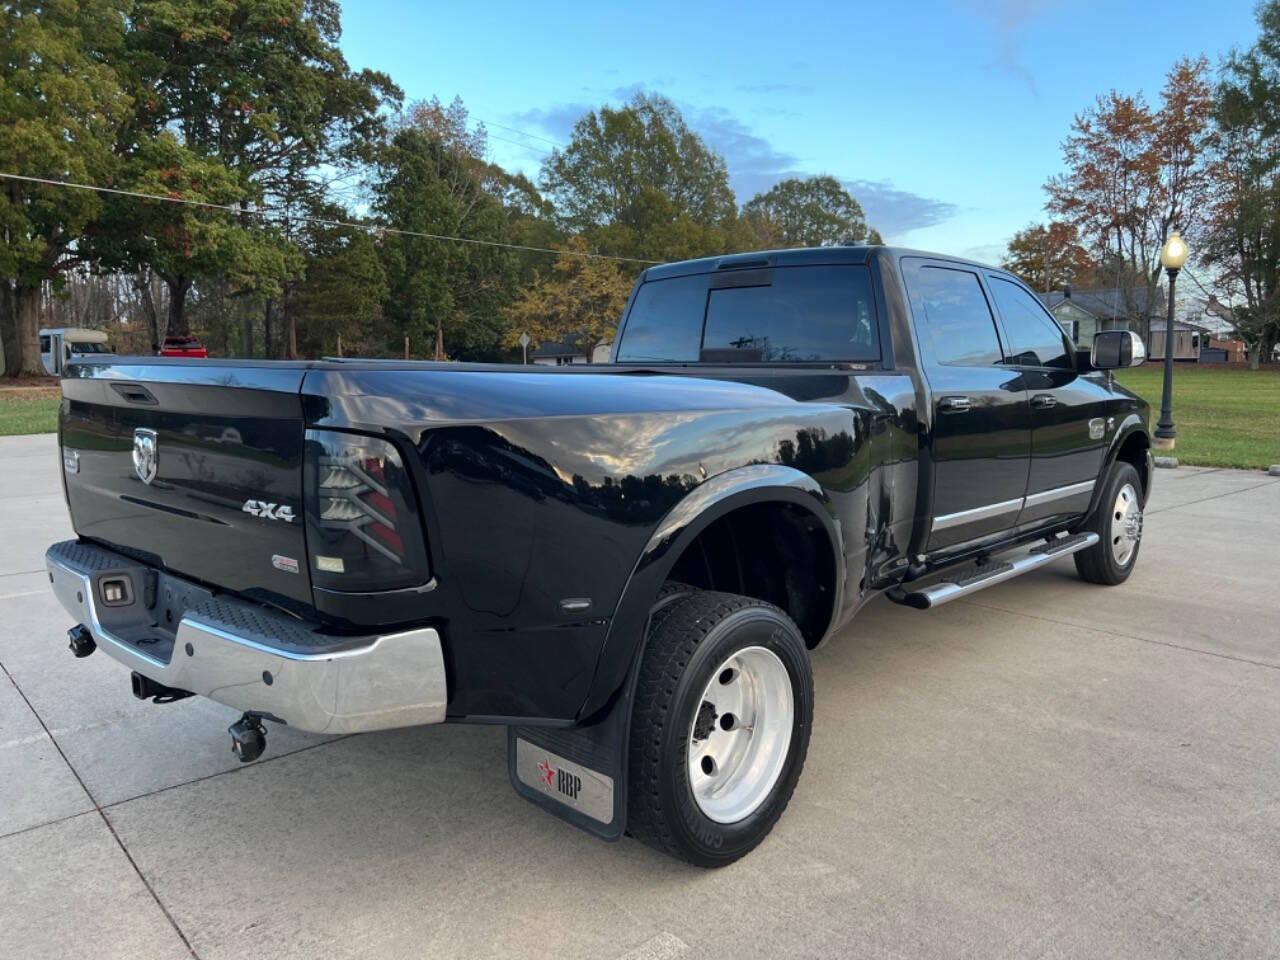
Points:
[(60, 344)]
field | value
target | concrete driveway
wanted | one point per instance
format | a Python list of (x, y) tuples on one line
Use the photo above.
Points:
[(1052, 769)]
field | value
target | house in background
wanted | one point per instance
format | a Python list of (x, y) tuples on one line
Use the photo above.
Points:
[(557, 355), (566, 352), (1220, 343), (1083, 313), (1232, 350), (1188, 339), (1204, 329)]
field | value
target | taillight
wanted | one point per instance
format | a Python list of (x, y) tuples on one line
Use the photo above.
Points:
[(363, 528)]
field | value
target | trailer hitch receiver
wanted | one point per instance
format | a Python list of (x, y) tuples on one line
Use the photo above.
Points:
[(80, 641), (248, 737)]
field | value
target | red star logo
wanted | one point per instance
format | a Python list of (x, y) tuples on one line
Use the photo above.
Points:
[(547, 771)]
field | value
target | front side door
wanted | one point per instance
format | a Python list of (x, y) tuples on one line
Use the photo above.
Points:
[(1069, 427), (981, 421)]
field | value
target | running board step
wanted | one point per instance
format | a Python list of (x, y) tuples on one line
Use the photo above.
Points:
[(989, 574)]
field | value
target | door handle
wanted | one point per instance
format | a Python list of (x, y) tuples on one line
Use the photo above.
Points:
[(134, 393), (954, 404), (1043, 401)]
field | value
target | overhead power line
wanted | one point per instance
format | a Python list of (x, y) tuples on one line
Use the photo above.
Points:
[(523, 133), (320, 221), (532, 148)]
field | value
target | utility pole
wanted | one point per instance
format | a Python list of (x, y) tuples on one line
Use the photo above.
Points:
[(1045, 248)]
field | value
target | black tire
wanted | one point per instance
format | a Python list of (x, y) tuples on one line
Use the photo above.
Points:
[(1099, 563), (690, 638), (669, 595)]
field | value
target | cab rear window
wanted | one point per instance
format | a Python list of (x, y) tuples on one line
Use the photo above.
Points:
[(789, 314), (665, 322)]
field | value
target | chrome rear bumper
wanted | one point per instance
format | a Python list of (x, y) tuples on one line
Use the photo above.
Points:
[(249, 657)]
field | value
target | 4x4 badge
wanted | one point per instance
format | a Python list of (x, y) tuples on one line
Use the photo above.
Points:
[(269, 511), (146, 456)]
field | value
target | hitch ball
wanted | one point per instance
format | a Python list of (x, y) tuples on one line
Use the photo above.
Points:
[(80, 641), (248, 738)]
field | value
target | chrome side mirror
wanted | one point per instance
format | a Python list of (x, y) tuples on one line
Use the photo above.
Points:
[(1117, 348)]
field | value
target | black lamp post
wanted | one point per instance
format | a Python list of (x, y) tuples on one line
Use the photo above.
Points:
[(1173, 255)]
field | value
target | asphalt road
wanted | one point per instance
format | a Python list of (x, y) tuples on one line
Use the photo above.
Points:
[(1049, 770)]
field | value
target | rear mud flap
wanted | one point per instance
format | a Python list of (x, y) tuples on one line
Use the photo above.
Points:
[(578, 774)]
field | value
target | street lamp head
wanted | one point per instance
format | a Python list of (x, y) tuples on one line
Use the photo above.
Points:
[(1174, 253)]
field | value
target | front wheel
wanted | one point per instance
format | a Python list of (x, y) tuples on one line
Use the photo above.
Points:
[(720, 727), (1118, 523)]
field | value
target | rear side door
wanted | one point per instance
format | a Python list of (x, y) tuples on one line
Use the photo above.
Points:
[(1069, 428), (981, 420)]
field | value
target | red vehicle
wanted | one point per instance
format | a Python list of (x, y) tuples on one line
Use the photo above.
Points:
[(182, 347)]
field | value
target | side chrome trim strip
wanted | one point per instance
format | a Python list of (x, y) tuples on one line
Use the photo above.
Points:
[(1059, 493), (948, 520)]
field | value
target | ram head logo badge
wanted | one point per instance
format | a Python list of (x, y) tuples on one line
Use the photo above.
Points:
[(146, 458)]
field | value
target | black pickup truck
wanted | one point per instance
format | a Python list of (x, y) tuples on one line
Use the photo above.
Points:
[(627, 565)]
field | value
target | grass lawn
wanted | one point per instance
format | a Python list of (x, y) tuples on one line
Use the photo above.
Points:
[(1225, 417), (28, 410)]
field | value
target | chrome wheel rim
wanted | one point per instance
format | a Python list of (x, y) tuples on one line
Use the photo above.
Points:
[(741, 734), (1126, 524)]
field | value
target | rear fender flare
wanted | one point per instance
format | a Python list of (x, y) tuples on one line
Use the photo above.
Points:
[(757, 483)]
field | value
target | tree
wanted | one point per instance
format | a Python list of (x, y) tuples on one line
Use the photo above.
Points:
[(817, 212), (1242, 238), (341, 294), (446, 296), (581, 302), (257, 87), (183, 243), (61, 104), (530, 218), (1134, 174), (637, 182), (1049, 256)]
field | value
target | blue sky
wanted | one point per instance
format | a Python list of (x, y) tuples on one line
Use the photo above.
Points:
[(944, 117)]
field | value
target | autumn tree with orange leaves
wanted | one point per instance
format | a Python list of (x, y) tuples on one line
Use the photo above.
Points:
[(1133, 174), (1049, 256), (580, 302)]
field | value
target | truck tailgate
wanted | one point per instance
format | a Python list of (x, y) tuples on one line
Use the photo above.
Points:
[(193, 468)]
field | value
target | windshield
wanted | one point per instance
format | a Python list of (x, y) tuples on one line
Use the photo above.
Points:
[(80, 346)]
